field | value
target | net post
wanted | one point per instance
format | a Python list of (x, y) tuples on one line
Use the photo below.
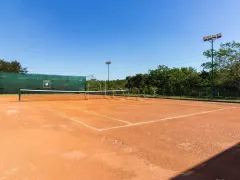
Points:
[(105, 89), (113, 92), (19, 95), (125, 94)]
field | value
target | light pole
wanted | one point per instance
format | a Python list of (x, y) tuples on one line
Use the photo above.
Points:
[(108, 63), (211, 39)]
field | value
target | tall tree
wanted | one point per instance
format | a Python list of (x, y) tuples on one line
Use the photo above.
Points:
[(227, 55), (226, 64), (12, 66)]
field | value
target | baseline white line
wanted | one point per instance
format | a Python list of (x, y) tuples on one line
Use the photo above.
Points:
[(164, 119), (101, 115), (72, 119), (190, 102)]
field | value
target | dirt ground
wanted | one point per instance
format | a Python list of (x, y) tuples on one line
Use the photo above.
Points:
[(114, 139)]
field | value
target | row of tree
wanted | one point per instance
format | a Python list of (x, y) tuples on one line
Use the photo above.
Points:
[(187, 81), (95, 85), (12, 66)]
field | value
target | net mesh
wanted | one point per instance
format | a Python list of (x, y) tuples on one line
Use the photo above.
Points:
[(59, 95)]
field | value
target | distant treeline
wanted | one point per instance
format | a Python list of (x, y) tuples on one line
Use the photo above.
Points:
[(187, 81)]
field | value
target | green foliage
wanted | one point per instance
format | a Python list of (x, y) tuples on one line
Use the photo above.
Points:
[(96, 85), (225, 57), (234, 72), (137, 81), (165, 80), (117, 84), (186, 81), (13, 66)]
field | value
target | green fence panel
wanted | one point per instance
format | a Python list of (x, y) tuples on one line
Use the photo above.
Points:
[(10, 83)]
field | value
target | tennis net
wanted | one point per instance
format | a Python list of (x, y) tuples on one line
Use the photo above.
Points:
[(59, 95)]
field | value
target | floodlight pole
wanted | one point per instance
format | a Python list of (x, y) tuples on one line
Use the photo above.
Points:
[(212, 71), (211, 39), (108, 76), (108, 63)]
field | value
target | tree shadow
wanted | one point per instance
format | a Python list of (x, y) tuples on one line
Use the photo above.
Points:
[(224, 166)]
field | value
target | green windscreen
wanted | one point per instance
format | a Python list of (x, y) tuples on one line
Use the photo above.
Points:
[(11, 83)]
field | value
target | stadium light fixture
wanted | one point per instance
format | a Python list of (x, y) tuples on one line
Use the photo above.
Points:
[(211, 39), (108, 63)]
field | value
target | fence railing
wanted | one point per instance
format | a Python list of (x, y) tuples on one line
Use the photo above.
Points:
[(203, 93)]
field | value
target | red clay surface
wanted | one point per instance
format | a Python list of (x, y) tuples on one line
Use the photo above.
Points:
[(144, 139)]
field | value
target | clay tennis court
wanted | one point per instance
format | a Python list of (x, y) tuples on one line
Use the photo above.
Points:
[(115, 138)]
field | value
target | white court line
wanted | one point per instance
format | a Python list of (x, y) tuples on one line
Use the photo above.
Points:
[(101, 115), (168, 102), (190, 103), (72, 119), (164, 119)]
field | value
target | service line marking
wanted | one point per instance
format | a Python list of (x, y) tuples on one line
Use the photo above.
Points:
[(100, 115), (72, 119), (164, 119), (187, 102)]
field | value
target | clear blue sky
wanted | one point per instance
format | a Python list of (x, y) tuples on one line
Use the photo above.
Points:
[(76, 37)]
